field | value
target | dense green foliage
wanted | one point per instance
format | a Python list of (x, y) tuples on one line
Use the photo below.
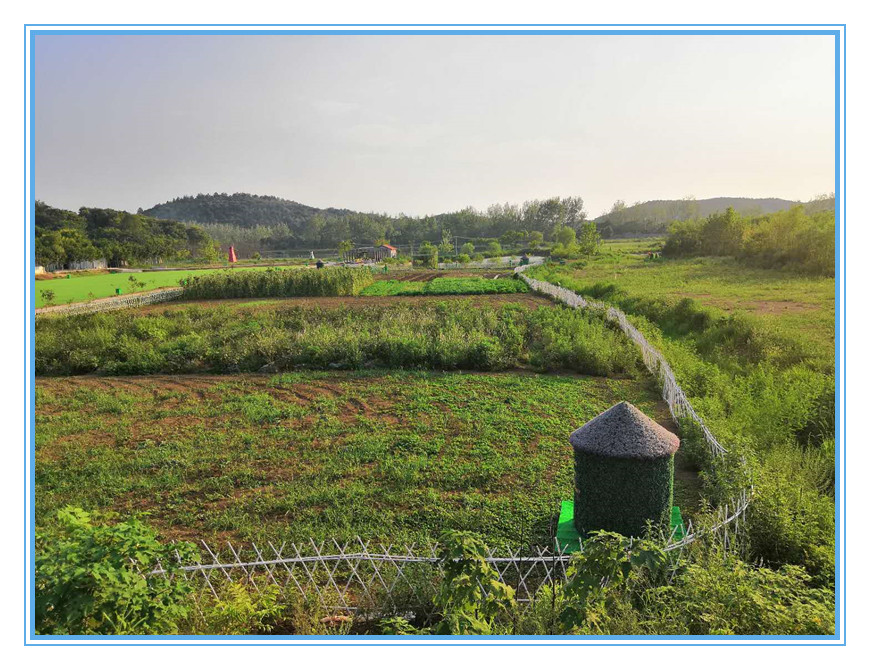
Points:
[(64, 237), (619, 588), (470, 596), (284, 224), (621, 494), (789, 239), (446, 286), (274, 282), (454, 335), (654, 216), (768, 395), (92, 579)]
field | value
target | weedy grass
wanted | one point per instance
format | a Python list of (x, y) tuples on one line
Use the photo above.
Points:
[(390, 456), (332, 281), (455, 334), (763, 382)]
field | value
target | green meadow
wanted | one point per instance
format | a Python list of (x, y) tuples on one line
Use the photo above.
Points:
[(89, 287), (390, 456)]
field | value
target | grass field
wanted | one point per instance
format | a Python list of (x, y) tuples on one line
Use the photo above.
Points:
[(802, 307), (89, 287), (394, 456)]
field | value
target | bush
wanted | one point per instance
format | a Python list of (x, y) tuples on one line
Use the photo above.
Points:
[(789, 239), (93, 579), (719, 594)]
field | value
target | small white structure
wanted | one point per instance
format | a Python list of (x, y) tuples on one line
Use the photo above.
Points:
[(99, 264)]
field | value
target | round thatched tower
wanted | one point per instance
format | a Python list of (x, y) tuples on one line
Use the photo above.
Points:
[(623, 472)]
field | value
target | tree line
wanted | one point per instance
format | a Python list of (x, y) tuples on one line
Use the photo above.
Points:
[(256, 223), (801, 238), (64, 237)]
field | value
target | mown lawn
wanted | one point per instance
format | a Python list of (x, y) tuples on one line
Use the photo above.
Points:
[(393, 456), (90, 287)]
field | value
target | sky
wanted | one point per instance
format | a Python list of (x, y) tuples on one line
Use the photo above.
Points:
[(431, 123)]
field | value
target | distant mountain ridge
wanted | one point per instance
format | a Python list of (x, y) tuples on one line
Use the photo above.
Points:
[(654, 216), (247, 210), (262, 222), (667, 210)]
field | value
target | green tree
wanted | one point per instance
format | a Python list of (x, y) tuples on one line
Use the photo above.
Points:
[(427, 254), (446, 246), (467, 249), (344, 247), (590, 238), (565, 236), (493, 248), (534, 239)]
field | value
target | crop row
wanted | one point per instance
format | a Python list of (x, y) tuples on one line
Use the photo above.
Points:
[(278, 283), (443, 336)]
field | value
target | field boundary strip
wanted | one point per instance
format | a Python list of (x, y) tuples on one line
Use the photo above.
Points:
[(113, 303), (678, 404)]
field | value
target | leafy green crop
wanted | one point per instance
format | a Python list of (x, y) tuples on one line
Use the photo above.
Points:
[(93, 579), (446, 286)]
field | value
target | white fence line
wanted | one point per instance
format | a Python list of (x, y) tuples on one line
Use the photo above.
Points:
[(108, 304), (678, 404), (361, 576)]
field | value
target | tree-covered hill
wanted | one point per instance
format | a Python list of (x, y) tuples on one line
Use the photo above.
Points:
[(654, 216), (64, 237), (239, 209)]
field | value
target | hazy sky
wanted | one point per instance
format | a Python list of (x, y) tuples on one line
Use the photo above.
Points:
[(426, 124)]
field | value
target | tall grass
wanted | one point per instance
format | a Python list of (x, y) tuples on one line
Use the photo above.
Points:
[(278, 283), (769, 397), (444, 336)]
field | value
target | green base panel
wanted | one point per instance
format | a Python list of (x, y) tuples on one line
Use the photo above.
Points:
[(568, 539)]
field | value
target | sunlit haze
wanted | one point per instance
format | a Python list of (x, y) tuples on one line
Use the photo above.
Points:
[(428, 124)]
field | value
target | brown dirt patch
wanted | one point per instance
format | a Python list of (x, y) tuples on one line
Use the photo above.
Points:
[(757, 306), (778, 307), (258, 304)]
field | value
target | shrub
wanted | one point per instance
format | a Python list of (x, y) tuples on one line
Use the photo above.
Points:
[(93, 579), (237, 610), (718, 594)]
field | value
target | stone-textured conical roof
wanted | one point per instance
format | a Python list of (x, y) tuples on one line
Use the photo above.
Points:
[(623, 431)]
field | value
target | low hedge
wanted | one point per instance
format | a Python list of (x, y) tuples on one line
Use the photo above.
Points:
[(621, 494)]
